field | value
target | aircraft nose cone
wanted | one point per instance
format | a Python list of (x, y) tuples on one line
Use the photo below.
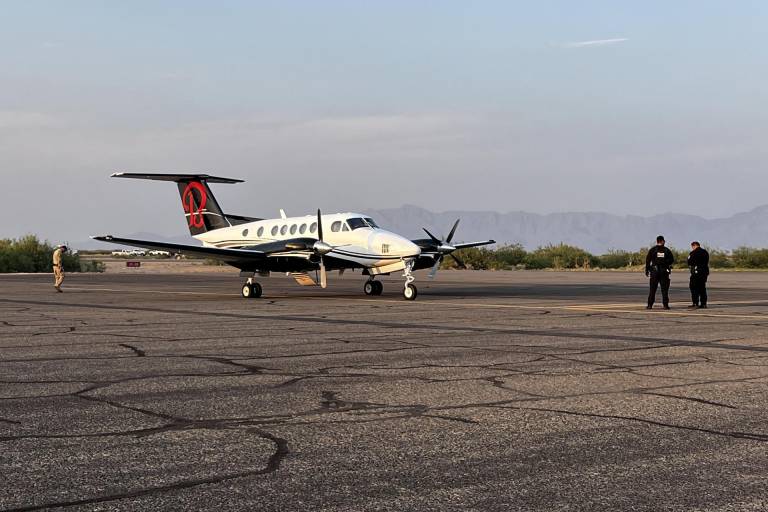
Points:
[(403, 247), (394, 245)]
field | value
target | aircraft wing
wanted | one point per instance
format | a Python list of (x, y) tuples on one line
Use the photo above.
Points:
[(473, 244), (292, 255), (226, 255)]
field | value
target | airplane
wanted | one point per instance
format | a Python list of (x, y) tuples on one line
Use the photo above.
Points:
[(297, 246)]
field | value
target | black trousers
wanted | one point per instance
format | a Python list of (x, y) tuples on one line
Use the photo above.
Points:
[(659, 278), (698, 287)]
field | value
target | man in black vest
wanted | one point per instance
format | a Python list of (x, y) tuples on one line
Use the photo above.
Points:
[(698, 261), (658, 265)]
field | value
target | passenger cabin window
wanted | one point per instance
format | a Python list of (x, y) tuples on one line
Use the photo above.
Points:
[(313, 227), (284, 229), (274, 231), (336, 226), (293, 229), (260, 231), (303, 229)]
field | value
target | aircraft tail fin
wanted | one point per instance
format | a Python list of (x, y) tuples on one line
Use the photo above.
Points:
[(201, 209)]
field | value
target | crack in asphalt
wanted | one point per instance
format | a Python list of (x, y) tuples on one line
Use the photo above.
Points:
[(736, 435), (272, 465), (139, 352)]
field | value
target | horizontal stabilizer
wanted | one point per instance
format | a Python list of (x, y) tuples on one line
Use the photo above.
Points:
[(178, 178)]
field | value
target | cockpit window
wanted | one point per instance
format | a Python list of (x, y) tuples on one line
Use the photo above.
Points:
[(371, 222), (361, 223)]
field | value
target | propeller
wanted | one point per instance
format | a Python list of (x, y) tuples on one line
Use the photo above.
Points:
[(321, 248), (444, 248)]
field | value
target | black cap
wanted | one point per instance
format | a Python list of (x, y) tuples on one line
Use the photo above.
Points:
[(660, 239)]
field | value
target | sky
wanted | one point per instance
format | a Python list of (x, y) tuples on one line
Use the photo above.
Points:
[(547, 106)]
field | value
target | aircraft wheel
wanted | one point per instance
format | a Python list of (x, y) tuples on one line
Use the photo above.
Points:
[(377, 288), (370, 287), (251, 290), (410, 292)]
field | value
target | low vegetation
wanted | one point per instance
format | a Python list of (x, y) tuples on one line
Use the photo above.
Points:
[(562, 256), (28, 254)]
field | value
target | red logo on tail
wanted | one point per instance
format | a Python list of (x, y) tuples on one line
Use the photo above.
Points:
[(195, 211)]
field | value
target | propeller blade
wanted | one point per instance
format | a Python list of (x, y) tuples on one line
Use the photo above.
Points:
[(433, 237), (323, 274), (319, 226), (458, 261), (435, 268), (453, 230)]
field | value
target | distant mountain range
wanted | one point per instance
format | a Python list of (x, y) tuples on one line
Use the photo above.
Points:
[(595, 232)]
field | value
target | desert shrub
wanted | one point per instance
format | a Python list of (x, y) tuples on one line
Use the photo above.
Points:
[(749, 257), (560, 256), (475, 258), (29, 254), (509, 256), (617, 259), (720, 259)]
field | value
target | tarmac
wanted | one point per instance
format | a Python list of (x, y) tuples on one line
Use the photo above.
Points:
[(493, 391)]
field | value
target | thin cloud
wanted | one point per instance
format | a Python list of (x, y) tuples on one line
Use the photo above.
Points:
[(595, 42)]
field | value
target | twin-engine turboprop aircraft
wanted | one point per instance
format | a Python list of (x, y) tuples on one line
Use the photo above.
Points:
[(296, 245)]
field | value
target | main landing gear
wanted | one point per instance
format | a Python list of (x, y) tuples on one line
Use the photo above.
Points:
[(251, 289), (372, 287)]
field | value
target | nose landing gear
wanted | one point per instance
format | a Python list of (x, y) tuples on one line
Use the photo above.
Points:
[(409, 291)]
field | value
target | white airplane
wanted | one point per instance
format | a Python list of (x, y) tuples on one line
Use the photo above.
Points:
[(297, 246)]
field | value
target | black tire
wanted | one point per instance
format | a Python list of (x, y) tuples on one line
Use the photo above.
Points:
[(251, 290), (369, 288), (377, 288), (410, 292)]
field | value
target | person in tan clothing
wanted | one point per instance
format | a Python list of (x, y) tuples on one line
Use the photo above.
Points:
[(58, 267)]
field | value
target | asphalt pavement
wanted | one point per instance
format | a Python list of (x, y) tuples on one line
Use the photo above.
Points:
[(493, 391)]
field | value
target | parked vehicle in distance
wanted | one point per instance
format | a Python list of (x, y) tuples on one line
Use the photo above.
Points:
[(159, 253)]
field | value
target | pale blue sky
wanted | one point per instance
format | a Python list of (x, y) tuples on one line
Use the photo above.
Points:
[(543, 106)]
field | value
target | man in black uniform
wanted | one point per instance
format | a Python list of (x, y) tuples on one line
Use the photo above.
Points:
[(658, 265), (698, 261)]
